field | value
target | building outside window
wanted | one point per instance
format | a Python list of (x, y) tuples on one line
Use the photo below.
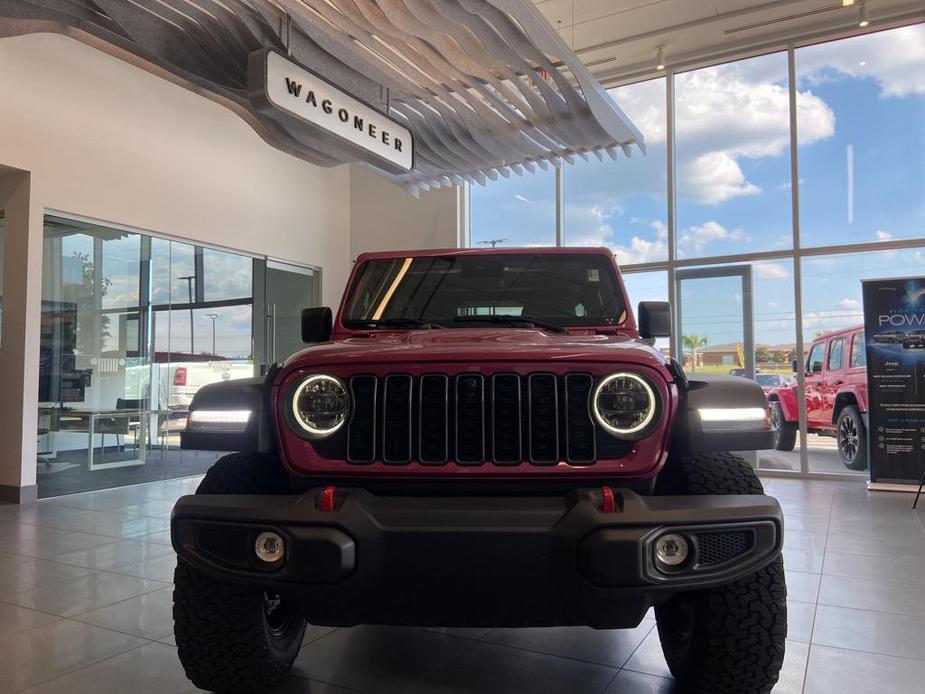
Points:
[(775, 246)]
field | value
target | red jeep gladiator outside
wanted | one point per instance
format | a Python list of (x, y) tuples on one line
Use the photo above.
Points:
[(481, 438), (835, 374)]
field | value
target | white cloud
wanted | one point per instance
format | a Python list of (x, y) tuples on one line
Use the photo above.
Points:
[(695, 239), (590, 226), (771, 271), (892, 58), (883, 235), (735, 111), (520, 197), (850, 304)]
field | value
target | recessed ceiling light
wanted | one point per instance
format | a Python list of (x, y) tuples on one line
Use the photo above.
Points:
[(847, 3), (660, 59)]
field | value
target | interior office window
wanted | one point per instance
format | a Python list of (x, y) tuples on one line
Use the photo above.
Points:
[(623, 204), (833, 309), (131, 327), (226, 275), (514, 211), (732, 125), (861, 138)]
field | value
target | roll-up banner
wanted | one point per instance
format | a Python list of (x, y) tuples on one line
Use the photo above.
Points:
[(894, 324)]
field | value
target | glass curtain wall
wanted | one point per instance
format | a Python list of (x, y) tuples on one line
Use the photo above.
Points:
[(131, 327), (795, 175)]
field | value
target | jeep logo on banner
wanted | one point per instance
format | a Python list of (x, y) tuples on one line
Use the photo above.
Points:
[(894, 326), (277, 83)]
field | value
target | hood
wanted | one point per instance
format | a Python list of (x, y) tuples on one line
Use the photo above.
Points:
[(477, 345)]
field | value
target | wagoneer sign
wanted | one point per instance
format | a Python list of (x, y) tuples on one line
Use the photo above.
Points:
[(309, 98)]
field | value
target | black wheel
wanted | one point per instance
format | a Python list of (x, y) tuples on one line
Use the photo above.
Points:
[(731, 639), (851, 435), (785, 433), (233, 638)]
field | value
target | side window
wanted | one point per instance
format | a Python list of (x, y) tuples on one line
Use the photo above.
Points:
[(814, 363), (836, 354), (858, 352)]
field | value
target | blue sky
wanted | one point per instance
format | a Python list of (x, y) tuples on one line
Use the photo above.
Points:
[(861, 157)]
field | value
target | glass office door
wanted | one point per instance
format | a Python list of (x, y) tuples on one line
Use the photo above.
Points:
[(287, 289)]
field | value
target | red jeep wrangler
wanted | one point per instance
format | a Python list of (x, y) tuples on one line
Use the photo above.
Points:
[(835, 373), (481, 438)]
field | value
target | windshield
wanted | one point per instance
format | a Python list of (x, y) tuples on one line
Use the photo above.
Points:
[(768, 379), (452, 291)]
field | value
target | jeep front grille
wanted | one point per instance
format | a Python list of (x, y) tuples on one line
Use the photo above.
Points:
[(471, 419)]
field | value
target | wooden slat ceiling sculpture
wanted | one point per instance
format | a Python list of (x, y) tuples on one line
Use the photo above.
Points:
[(486, 87)]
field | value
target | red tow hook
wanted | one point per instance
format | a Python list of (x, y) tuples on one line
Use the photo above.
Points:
[(608, 503), (326, 499)]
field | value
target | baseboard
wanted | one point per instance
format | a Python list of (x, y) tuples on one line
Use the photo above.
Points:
[(18, 495)]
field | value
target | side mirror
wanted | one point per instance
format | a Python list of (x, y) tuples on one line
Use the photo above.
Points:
[(817, 367), (794, 365), (654, 319), (317, 324)]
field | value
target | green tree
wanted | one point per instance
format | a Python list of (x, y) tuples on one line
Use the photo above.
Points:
[(693, 342)]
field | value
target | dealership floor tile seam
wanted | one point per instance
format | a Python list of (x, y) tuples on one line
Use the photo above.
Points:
[(111, 619)]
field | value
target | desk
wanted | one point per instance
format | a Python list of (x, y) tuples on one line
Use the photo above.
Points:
[(116, 422)]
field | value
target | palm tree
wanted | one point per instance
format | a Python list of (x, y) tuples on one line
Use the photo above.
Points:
[(692, 342)]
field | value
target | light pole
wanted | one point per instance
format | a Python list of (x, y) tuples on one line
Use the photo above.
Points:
[(189, 289), (213, 316)]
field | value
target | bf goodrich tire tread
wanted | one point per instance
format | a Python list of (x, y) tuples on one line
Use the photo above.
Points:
[(737, 631), (220, 628)]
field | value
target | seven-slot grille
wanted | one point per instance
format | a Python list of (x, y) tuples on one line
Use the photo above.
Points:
[(471, 419)]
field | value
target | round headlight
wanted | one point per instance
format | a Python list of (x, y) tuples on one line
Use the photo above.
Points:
[(320, 404), (624, 404)]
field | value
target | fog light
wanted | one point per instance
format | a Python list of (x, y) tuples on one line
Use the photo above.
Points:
[(270, 547), (671, 549)]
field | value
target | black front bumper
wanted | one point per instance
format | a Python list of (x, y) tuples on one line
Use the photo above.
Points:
[(477, 561)]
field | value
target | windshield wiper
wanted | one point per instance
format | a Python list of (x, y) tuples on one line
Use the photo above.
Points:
[(512, 320), (393, 323)]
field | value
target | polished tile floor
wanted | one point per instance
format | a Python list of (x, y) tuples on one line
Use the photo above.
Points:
[(85, 607)]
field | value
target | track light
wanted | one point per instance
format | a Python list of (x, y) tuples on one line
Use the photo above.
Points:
[(864, 19), (660, 59)]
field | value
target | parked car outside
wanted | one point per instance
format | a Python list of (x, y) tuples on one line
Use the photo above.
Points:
[(769, 382), (835, 374)]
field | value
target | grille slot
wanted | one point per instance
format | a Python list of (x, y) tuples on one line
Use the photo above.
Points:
[(361, 431), (506, 419), (719, 547), (544, 419), (470, 419), (579, 430), (433, 432), (396, 419)]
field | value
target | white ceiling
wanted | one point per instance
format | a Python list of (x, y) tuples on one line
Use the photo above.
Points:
[(619, 39)]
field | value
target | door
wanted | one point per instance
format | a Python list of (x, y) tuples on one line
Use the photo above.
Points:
[(834, 377), (814, 380), (287, 289), (714, 331)]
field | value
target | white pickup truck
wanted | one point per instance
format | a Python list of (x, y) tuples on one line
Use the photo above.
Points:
[(179, 381)]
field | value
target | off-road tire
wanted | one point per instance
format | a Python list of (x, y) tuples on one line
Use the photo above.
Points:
[(785, 436), (226, 640), (850, 417), (731, 639)]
